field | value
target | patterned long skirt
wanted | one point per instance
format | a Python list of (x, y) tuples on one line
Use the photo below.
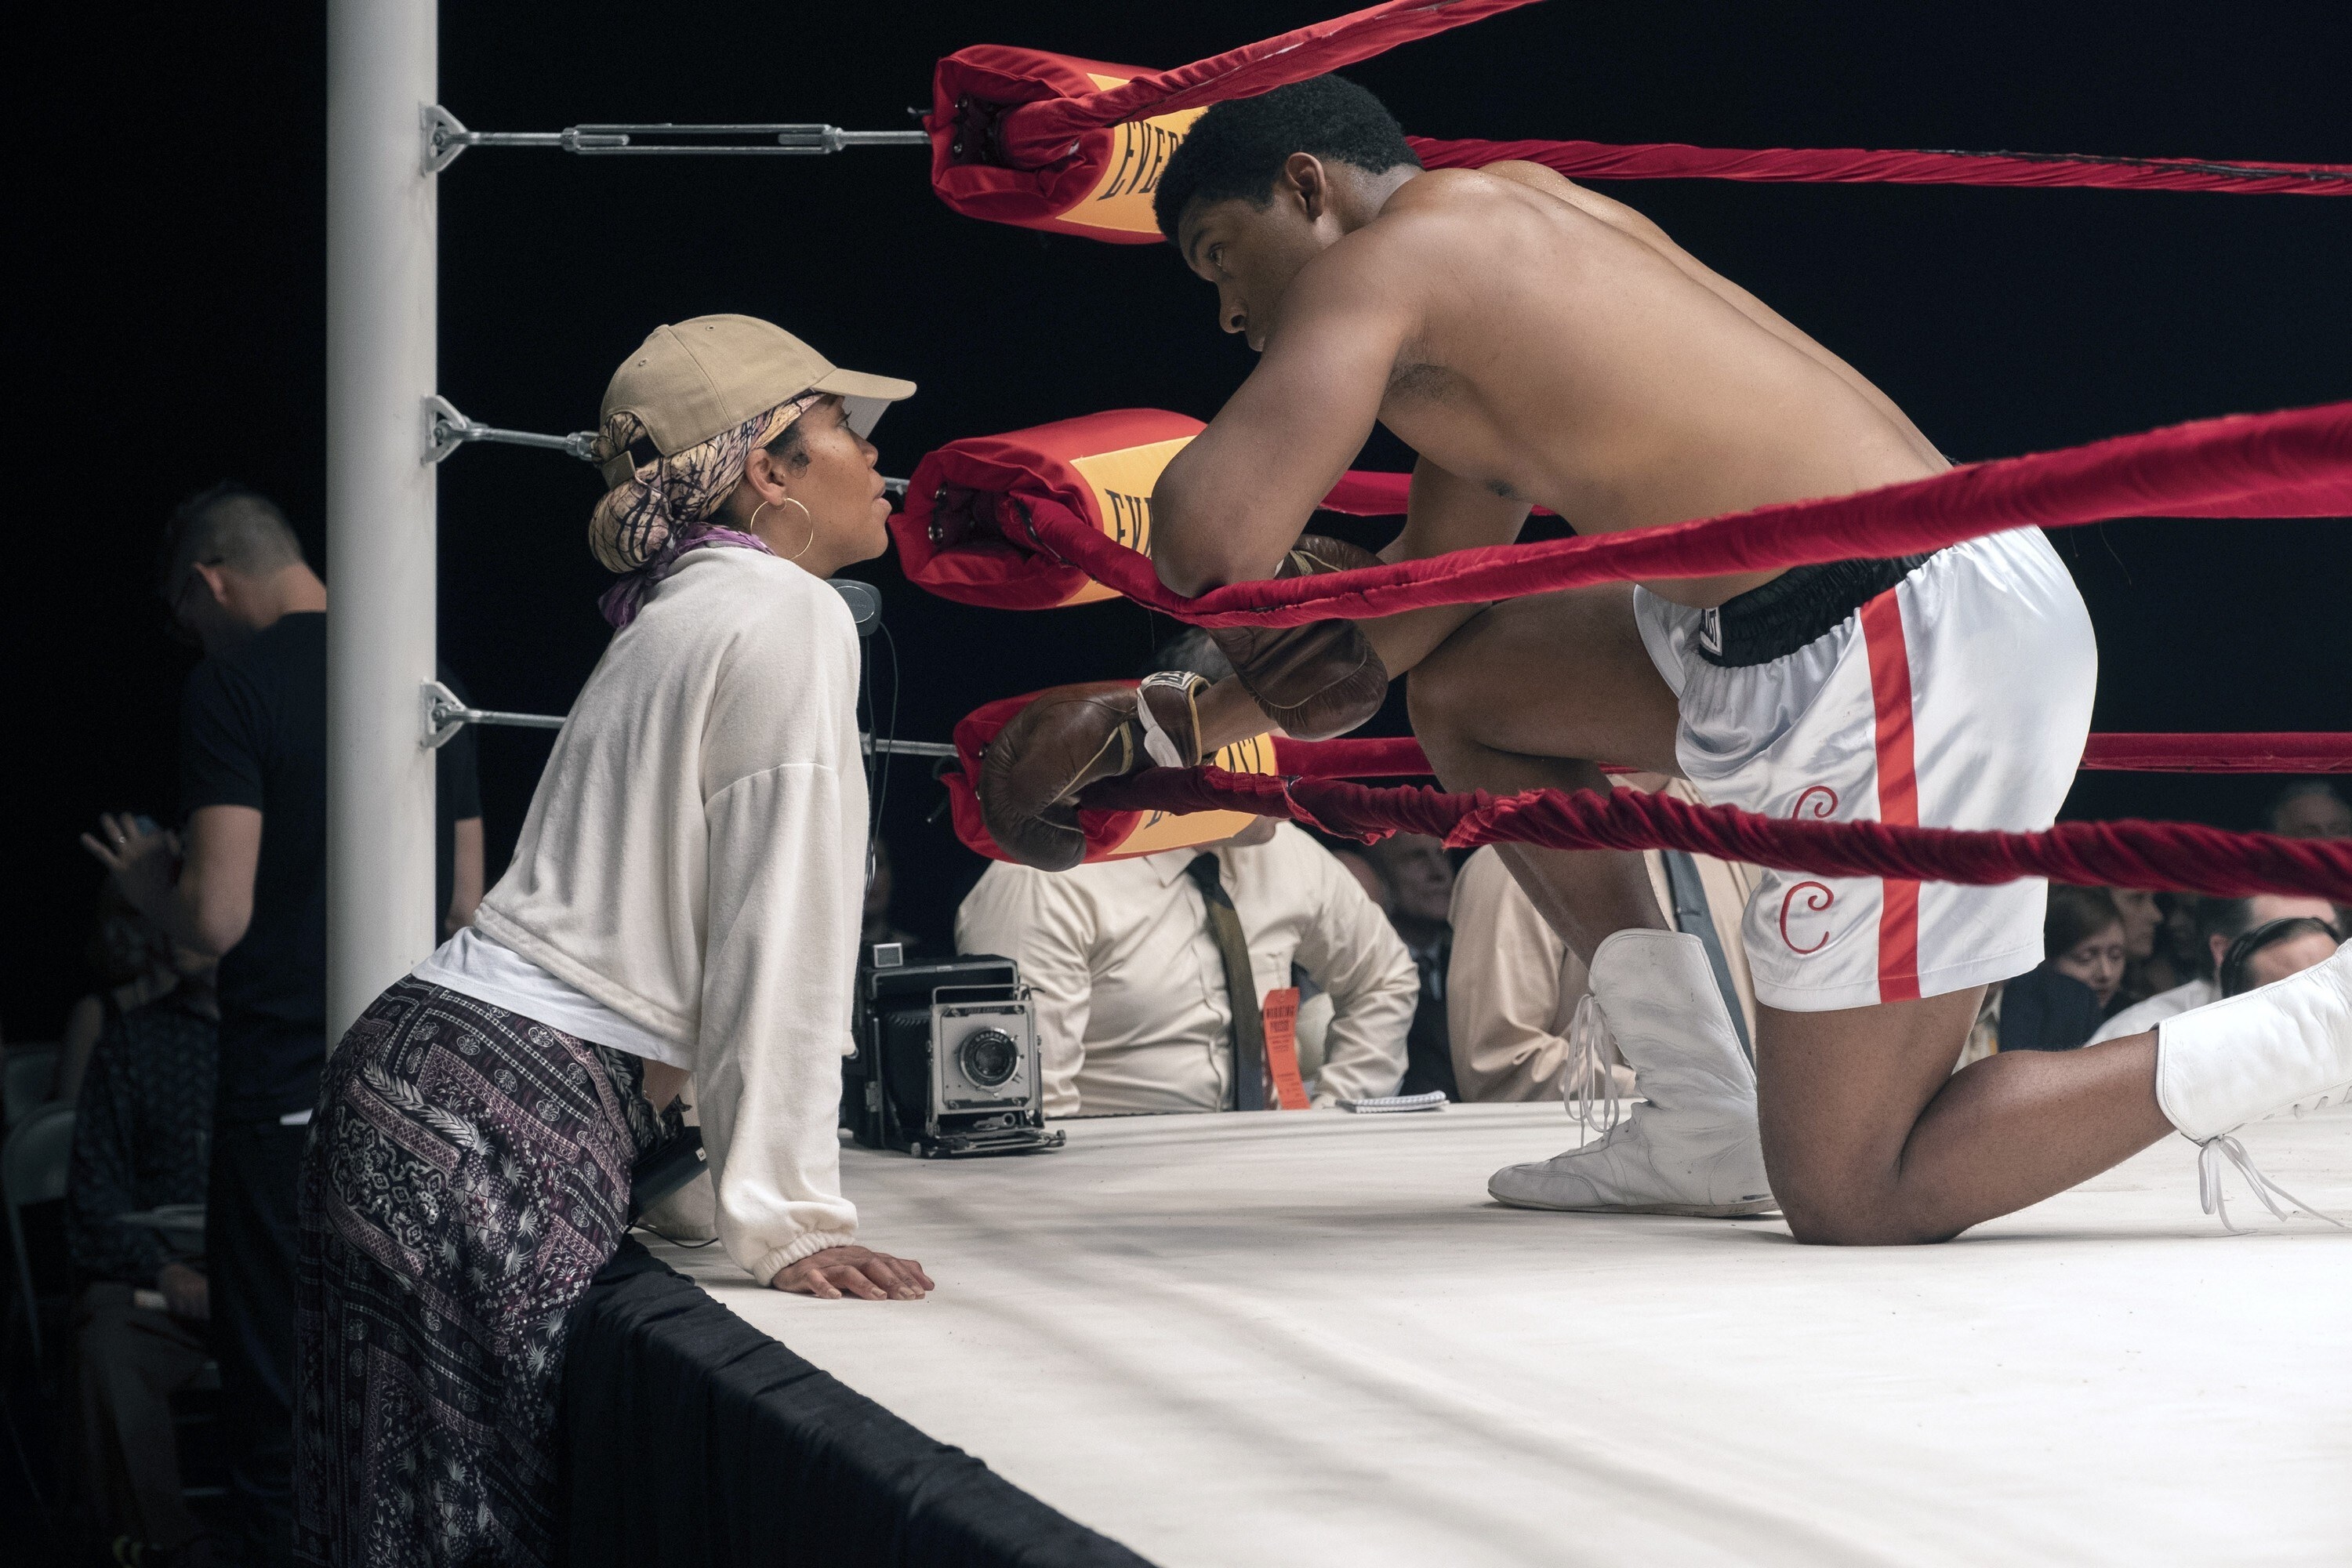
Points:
[(468, 1172)]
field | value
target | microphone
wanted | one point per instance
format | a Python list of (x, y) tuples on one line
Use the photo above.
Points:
[(865, 603)]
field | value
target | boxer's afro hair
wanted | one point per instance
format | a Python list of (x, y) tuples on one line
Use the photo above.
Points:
[(1237, 148)]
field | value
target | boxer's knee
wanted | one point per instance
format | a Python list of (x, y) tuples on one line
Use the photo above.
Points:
[(1442, 695), (1848, 1224), (1829, 1205)]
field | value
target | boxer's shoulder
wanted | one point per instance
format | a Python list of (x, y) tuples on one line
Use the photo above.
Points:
[(1443, 206)]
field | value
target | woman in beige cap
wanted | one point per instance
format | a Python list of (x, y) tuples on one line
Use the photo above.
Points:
[(684, 899)]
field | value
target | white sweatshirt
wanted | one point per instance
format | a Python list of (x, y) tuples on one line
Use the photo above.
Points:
[(695, 859)]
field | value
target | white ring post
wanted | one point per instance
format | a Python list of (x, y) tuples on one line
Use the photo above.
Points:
[(382, 71)]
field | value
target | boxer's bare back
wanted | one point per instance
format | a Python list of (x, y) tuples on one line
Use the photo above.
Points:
[(1537, 344)]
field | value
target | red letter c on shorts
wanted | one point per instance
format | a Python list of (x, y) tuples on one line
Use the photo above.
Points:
[(1820, 900)]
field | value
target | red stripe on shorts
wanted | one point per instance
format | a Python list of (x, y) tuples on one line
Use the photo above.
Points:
[(1898, 791)]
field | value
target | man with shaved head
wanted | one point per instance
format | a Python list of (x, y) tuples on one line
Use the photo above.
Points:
[(253, 751), (244, 881)]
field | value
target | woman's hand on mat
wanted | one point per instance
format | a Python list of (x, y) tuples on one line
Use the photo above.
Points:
[(839, 1271)]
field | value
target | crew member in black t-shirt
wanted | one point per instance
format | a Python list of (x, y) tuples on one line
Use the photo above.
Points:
[(246, 881)]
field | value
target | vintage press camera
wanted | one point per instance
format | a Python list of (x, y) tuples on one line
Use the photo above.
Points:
[(947, 1061)]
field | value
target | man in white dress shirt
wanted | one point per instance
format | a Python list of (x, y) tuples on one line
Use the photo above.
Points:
[(1133, 1008), (2219, 922), (1513, 986)]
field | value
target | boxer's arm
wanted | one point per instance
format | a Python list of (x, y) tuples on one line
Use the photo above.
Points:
[(1443, 512), (1230, 715), (1230, 504)]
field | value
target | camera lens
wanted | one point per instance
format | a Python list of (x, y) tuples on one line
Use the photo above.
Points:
[(988, 1057)]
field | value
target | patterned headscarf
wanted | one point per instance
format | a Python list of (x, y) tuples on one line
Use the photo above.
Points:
[(655, 513)]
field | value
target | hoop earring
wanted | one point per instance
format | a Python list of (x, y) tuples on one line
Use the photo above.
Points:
[(753, 526), (804, 550)]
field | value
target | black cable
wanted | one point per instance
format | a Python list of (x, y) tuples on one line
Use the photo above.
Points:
[(25, 1463), (688, 1246), (869, 669), (881, 755)]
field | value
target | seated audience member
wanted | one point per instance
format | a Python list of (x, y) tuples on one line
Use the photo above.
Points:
[(1367, 876), (244, 881), (877, 925), (2314, 809), (2180, 954), (1513, 986), (1984, 1034), (2178, 944), (2056, 1006), (140, 1141), (131, 960), (2083, 936), (1314, 1006), (2311, 809), (2143, 917), (2274, 950), (1419, 881), (2220, 922), (1134, 964)]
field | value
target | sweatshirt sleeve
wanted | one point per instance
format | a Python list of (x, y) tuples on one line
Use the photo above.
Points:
[(786, 863), (1355, 956)]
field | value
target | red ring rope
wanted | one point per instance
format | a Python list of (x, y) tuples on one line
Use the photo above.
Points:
[(1037, 133), (2297, 463), (2161, 856), (2292, 464), (1048, 118), (2318, 752), (1855, 165)]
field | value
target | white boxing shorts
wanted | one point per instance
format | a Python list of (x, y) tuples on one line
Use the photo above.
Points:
[(1960, 697)]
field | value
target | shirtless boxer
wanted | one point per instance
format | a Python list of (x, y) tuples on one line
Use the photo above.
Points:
[(1535, 343)]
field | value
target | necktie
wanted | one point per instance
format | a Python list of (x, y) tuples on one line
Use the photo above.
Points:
[(1692, 916), (1241, 985)]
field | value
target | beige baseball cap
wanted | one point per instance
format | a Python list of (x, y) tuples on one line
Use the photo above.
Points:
[(692, 380)]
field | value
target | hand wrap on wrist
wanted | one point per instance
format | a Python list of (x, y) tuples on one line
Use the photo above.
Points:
[(1070, 737), (1316, 681)]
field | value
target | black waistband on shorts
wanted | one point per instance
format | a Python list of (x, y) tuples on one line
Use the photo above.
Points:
[(1792, 609)]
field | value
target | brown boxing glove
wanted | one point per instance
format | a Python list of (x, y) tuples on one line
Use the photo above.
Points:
[(1315, 680), (1065, 740)]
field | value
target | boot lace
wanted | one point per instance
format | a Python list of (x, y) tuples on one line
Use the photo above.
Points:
[(2213, 1153), (1588, 1088)]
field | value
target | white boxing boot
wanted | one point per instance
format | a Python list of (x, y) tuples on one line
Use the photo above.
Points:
[(1692, 1148), (2281, 1050)]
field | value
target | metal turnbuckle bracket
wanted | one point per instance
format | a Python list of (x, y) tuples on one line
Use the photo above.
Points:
[(445, 137), (441, 715), (905, 748), (446, 430)]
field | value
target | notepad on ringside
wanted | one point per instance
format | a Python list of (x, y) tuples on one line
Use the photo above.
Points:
[(1388, 1104)]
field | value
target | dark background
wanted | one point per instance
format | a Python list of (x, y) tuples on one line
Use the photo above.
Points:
[(169, 198)]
